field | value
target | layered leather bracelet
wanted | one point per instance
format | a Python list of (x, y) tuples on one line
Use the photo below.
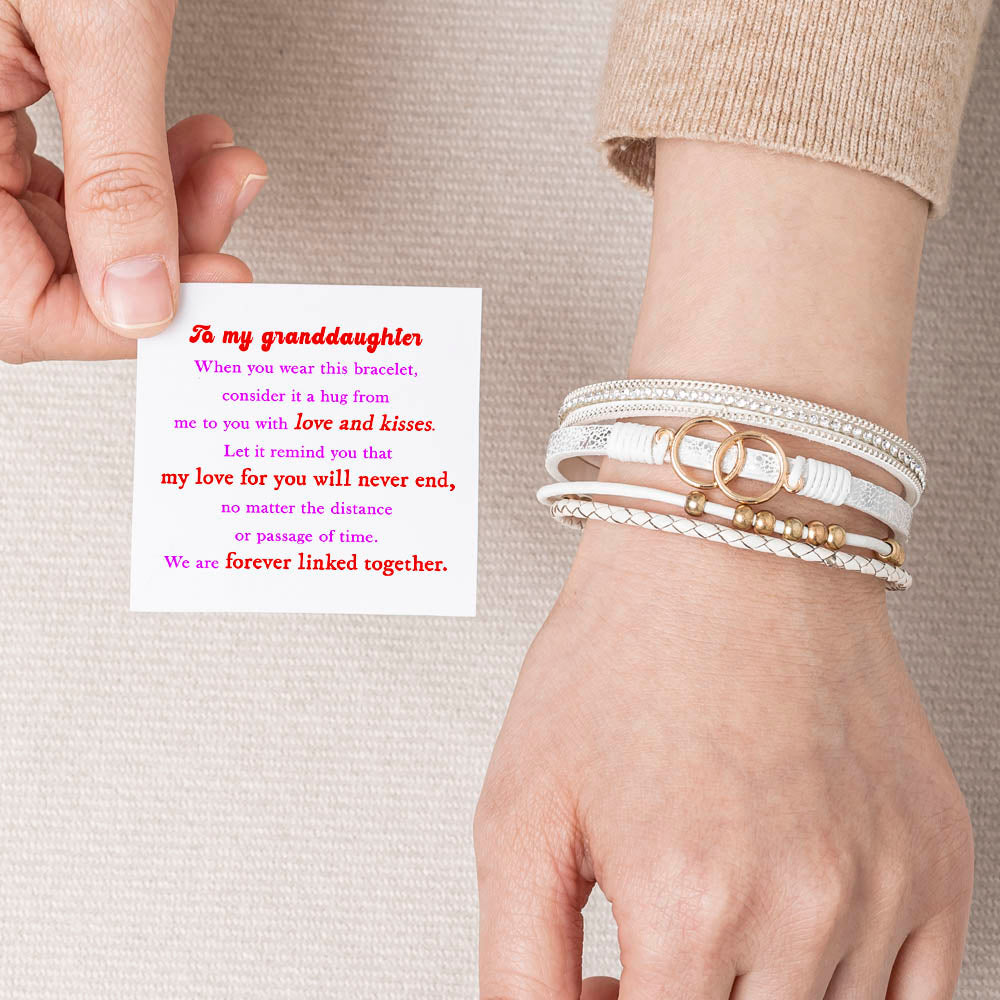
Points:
[(649, 444), (630, 398), (600, 421), (818, 533), (576, 510)]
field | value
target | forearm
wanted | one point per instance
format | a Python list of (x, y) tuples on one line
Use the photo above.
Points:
[(779, 271)]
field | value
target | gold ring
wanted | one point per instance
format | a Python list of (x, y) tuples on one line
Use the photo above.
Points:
[(675, 448), (737, 438)]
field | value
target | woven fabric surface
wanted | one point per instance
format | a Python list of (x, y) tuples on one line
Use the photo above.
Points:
[(280, 806), (874, 86)]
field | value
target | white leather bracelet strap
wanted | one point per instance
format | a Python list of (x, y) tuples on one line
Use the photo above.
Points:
[(633, 442), (607, 401), (628, 491), (576, 511)]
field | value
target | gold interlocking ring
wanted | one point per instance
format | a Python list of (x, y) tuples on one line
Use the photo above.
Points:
[(737, 438), (718, 478)]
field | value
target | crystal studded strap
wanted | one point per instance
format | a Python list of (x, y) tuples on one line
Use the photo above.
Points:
[(629, 398), (586, 441), (575, 511)]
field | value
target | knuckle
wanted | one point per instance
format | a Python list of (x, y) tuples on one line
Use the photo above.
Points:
[(129, 191), (709, 907), (503, 823), (12, 350), (22, 80), (956, 849), (819, 899), (715, 912), (942, 848), (484, 822), (523, 831), (893, 882)]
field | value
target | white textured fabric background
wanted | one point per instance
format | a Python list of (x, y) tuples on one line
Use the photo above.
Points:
[(280, 806)]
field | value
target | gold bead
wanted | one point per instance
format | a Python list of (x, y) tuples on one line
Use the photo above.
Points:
[(836, 537), (743, 517), (896, 554), (794, 529), (817, 532), (695, 503), (763, 522)]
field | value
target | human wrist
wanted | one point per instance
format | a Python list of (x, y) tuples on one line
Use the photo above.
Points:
[(763, 615), (782, 274)]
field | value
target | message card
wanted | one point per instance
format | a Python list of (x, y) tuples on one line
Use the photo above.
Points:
[(309, 448)]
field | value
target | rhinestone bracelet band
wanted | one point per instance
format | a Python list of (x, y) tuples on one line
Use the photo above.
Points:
[(755, 407)]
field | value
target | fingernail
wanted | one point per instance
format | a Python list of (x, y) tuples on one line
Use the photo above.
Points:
[(137, 293), (249, 191), (222, 145)]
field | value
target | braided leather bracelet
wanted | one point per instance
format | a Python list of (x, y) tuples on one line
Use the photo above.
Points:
[(576, 511), (625, 398), (646, 443), (833, 536)]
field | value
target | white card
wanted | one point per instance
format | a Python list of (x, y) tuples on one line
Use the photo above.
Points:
[(289, 467)]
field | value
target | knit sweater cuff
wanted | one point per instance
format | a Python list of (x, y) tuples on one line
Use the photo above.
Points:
[(879, 86)]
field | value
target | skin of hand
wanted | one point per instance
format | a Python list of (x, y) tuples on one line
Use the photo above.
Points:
[(729, 744), (92, 260)]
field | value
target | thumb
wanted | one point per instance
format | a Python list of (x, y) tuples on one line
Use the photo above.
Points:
[(106, 63)]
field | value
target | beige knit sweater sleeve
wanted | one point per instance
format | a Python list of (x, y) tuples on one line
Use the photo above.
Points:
[(875, 84)]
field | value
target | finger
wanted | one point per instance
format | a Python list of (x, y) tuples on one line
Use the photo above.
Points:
[(46, 178), (799, 961), (676, 941), (120, 207), (216, 190), (190, 139), (860, 977), (799, 956), (47, 218), (657, 964), (930, 960), (530, 935), (804, 979), (863, 973), (17, 143), (65, 329), (214, 267), (20, 70), (530, 925), (599, 988), (43, 317)]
